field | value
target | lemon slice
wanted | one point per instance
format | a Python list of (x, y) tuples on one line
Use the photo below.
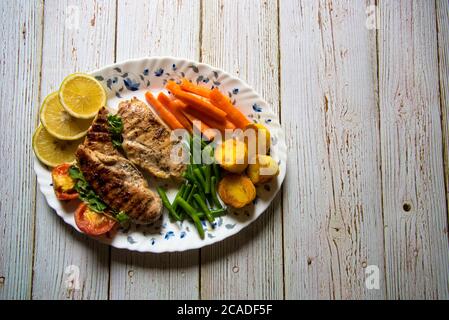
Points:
[(52, 151), (82, 95), (59, 123)]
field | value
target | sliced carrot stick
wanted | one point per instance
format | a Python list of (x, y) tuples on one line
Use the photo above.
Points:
[(222, 126), (226, 124), (202, 126), (196, 102), (202, 91), (175, 107), (165, 115), (164, 99), (219, 100)]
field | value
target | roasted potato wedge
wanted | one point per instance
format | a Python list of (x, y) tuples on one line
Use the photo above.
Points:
[(260, 142), (236, 190), (232, 155), (262, 168)]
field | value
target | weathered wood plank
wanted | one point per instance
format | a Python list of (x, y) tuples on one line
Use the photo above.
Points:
[(333, 217), (443, 53), (417, 249), (156, 28), (19, 68), (242, 38), (78, 36)]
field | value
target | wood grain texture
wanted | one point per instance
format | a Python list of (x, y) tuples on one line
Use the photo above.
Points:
[(78, 36), (333, 217), (417, 250), (442, 8), (148, 28), (19, 68), (367, 133), (241, 37)]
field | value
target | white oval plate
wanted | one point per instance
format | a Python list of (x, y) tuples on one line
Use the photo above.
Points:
[(134, 77)]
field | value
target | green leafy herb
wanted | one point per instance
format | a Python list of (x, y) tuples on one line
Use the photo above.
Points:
[(122, 217), (75, 173), (115, 129), (85, 191), (93, 201)]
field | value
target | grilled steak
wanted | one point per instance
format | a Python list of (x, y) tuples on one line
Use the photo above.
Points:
[(113, 177), (146, 140)]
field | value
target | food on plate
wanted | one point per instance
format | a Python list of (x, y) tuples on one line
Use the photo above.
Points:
[(115, 130), (114, 178), (85, 191), (262, 168), (82, 95), (197, 102), (174, 106), (188, 86), (222, 102), (63, 184), (91, 222), (197, 197), (236, 190), (200, 126), (210, 122), (163, 113), (59, 123), (232, 155), (106, 176), (260, 131), (146, 141), (52, 151), (192, 213)]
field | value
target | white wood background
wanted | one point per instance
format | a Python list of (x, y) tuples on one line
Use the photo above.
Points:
[(365, 112)]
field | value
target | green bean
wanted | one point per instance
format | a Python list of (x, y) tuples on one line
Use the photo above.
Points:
[(199, 177), (208, 154), (191, 212), (213, 192), (179, 194), (167, 204), (196, 207), (195, 181), (194, 156), (191, 179), (207, 176), (218, 212), (204, 207), (187, 191), (216, 168), (190, 170), (191, 193), (215, 212), (210, 200)]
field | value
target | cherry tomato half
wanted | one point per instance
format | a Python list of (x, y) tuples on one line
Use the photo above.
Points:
[(91, 222), (63, 184)]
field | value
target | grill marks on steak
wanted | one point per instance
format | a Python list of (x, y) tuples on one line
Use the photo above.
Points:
[(113, 177), (146, 141)]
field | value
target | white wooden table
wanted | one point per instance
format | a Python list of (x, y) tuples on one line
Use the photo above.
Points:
[(364, 101)]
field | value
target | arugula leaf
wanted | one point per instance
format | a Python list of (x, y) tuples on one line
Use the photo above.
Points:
[(115, 129)]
